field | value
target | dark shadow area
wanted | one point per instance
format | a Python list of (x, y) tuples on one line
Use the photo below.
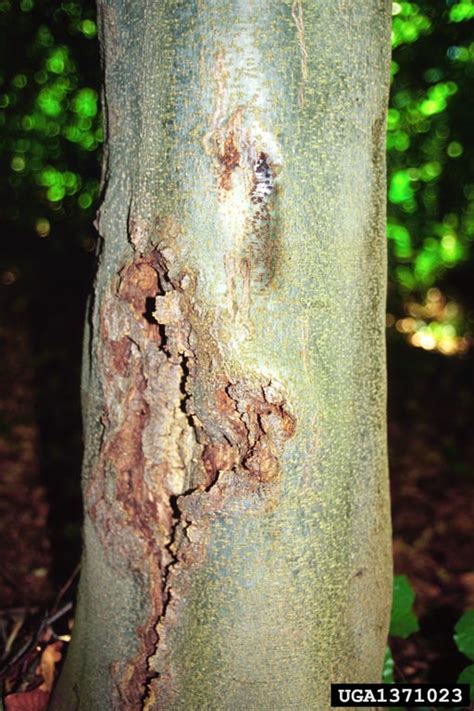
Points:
[(49, 297), (61, 288), (431, 412)]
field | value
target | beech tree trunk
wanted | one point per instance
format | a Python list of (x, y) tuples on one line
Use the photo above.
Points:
[(236, 535)]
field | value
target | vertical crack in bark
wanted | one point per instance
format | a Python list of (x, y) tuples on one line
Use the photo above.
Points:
[(149, 443), (254, 423), (182, 441)]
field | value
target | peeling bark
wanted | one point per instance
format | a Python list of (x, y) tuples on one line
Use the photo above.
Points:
[(235, 466)]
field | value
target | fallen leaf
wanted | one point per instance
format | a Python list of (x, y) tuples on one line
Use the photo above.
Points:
[(49, 658), (36, 700)]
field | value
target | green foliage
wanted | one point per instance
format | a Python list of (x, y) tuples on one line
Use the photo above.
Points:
[(467, 677), (387, 673), (403, 621), (429, 143), (408, 23), (388, 667), (52, 128), (461, 11), (52, 135), (464, 634), (464, 638)]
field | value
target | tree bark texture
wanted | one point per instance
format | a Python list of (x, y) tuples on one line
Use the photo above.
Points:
[(236, 536)]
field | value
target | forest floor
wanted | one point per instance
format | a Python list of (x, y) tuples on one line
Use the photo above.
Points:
[(432, 476)]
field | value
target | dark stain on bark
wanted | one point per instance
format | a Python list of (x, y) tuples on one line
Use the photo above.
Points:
[(261, 247), (263, 242), (229, 159)]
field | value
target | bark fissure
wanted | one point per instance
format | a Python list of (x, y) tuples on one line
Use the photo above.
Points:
[(249, 464), (146, 456), (164, 453)]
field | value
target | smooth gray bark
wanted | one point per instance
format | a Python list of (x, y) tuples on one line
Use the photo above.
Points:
[(237, 535)]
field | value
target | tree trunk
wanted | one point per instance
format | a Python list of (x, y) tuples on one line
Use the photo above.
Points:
[(236, 535)]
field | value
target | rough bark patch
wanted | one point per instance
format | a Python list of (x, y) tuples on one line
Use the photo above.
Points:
[(170, 461)]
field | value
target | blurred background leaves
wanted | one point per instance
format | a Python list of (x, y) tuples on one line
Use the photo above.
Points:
[(403, 621), (430, 181), (52, 134), (50, 119)]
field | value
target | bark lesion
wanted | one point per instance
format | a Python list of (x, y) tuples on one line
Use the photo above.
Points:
[(251, 423), (247, 162), (247, 179), (229, 158), (259, 422), (183, 439), (149, 444)]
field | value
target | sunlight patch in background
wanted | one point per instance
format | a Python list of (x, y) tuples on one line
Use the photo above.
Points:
[(52, 135)]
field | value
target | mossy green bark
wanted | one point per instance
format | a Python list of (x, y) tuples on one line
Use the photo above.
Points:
[(237, 534)]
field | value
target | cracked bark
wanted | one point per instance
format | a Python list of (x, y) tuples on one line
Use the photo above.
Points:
[(233, 383)]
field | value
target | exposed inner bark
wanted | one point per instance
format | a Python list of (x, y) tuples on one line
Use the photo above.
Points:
[(160, 448)]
